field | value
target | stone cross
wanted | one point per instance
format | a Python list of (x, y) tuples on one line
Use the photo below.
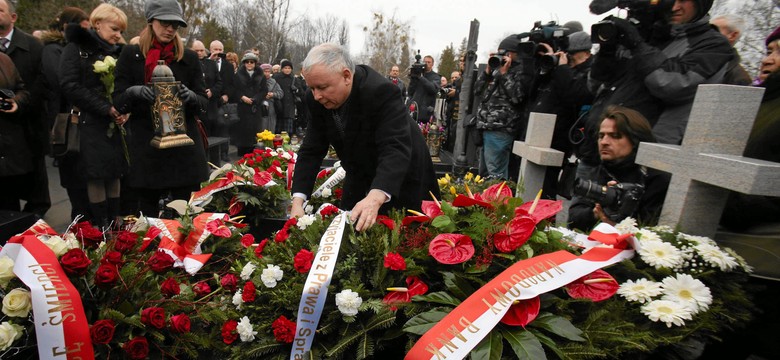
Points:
[(709, 162), (536, 153)]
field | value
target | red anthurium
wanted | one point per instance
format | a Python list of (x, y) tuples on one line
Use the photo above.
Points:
[(218, 228), (522, 312), (235, 206), (465, 201), (544, 209), (498, 193), (386, 221), (515, 234), (451, 248), (261, 178), (597, 286), (415, 286), (430, 210)]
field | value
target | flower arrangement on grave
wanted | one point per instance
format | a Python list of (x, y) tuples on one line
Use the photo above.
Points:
[(266, 137), (328, 188)]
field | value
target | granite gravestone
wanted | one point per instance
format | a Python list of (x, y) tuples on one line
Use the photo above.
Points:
[(537, 154)]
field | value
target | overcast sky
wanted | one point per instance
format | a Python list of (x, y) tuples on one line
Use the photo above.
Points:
[(437, 23)]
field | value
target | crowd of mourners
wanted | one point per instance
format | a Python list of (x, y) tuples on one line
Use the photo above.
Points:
[(607, 99)]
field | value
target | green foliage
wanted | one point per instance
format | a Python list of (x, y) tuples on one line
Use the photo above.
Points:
[(447, 62)]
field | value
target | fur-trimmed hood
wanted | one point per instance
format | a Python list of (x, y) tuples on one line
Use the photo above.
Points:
[(88, 40), (52, 37)]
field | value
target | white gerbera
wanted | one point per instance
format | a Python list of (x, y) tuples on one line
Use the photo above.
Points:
[(698, 239), (247, 271), (246, 330), (305, 221), (660, 254), (642, 290), (645, 235), (689, 292), (716, 257), (271, 275), (238, 299), (667, 311), (627, 226), (348, 302)]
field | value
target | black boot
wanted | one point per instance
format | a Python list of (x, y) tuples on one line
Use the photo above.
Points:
[(99, 214), (114, 214)]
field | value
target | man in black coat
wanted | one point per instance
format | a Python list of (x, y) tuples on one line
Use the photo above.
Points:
[(360, 113), (25, 51), (213, 86), (226, 73)]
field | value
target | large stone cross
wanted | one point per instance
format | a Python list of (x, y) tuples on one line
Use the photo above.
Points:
[(536, 153), (709, 162)]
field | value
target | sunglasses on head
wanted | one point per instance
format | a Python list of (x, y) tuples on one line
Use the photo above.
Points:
[(174, 24)]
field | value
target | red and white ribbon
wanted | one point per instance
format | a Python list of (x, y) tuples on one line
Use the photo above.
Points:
[(465, 326), (61, 327), (186, 252)]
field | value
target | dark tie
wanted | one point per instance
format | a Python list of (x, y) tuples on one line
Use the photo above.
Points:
[(4, 44), (339, 123)]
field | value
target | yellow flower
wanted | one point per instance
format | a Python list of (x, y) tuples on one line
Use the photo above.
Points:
[(17, 303), (265, 135), (478, 180), (453, 191), (443, 181), (100, 67), (468, 176)]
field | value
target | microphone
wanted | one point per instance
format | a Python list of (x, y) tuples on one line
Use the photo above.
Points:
[(598, 7)]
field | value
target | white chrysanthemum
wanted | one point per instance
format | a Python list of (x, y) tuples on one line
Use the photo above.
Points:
[(308, 209), (56, 244), (348, 302), (246, 330), (238, 299), (326, 192), (689, 292), (305, 221), (698, 239), (647, 235), (627, 226), (660, 254), (642, 290), (667, 311), (271, 275), (247, 271), (716, 257)]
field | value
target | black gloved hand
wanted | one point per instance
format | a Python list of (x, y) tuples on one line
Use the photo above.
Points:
[(187, 96), (141, 92), (628, 33)]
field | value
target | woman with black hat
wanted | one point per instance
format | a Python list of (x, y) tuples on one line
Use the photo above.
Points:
[(250, 91), (101, 156), (160, 175)]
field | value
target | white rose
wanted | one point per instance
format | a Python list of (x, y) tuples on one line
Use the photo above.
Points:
[(17, 303), (100, 67), (110, 61), (247, 271), (246, 330), (6, 271), (271, 275), (348, 302), (8, 334), (71, 241), (326, 192), (57, 245)]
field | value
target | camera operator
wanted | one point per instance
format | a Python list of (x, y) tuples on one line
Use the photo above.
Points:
[(656, 74), (503, 88), (620, 188), (423, 88), (561, 89)]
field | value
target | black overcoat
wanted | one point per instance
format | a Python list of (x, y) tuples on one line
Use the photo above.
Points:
[(382, 147), (243, 133), (152, 168)]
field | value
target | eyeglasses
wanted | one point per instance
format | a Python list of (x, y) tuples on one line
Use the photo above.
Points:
[(249, 62), (174, 24)]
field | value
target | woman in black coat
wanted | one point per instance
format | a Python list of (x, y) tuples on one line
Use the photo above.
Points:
[(16, 161), (101, 156), (160, 174), (54, 43), (250, 91)]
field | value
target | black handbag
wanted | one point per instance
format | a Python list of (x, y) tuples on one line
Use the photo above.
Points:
[(228, 114), (64, 136)]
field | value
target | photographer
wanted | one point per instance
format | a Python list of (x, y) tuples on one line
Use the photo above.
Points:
[(503, 87), (423, 86), (620, 188)]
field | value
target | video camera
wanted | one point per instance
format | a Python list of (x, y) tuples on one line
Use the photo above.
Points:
[(551, 34), (641, 13), (6, 94), (418, 68), (619, 201)]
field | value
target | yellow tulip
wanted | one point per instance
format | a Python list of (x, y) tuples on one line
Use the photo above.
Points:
[(453, 191)]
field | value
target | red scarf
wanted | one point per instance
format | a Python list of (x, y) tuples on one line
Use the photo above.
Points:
[(157, 52)]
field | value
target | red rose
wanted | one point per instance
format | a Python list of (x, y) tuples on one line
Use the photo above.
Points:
[(75, 262), (106, 275), (125, 241), (137, 348), (302, 261), (102, 331), (394, 261), (229, 333), (247, 240), (170, 287), (284, 330), (154, 317), (89, 235), (248, 295), (281, 235), (229, 282), (201, 289), (260, 247), (180, 323), (160, 262), (112, 257)]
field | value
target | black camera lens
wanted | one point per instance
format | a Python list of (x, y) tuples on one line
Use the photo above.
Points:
[(495, 62), (604, 32)]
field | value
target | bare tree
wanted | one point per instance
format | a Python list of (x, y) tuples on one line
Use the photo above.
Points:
[(385, 41)]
